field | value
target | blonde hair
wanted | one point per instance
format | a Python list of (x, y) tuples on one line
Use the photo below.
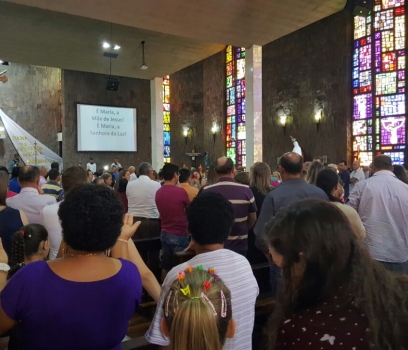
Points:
[(197, 311), (314, 169), (260, 177)]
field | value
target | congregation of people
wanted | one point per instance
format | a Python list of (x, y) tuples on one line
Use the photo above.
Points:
[(335, 241)]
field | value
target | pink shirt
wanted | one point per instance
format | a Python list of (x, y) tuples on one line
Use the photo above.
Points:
[(172, 202)]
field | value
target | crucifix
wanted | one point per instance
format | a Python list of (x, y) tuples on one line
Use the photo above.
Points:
[(193, 156), (35, 153)]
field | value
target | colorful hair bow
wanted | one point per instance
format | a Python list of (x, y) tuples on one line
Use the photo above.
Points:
[(199, 267), (207, 285), (211, 271), (181, 276), (185, 291), (189, 269)]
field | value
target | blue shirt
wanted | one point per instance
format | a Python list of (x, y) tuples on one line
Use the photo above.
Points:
[(288, 192), (14, 185), (345, 177)]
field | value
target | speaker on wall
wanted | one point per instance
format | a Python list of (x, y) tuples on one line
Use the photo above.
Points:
[(363, 8), (112, 84)]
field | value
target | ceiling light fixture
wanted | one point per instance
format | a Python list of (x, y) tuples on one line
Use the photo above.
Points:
[(106, 45), (1, 61), (116, 47), (144, 66)]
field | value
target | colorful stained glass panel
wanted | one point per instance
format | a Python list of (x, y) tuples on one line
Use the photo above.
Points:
[(362, 106), (386, 83), (393, 130)]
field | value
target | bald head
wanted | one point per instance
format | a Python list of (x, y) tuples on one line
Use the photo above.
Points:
[(225, 166), (291, 163), (356, 165), (382, 162)]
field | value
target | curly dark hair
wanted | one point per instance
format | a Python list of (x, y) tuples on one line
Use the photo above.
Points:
[(91, 218), (210, 218), (24, 244)]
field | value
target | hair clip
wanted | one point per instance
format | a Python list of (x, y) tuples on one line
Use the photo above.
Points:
[(199, 267), (209, 302), (189, 269), (175, 302), (185, 291), (211, 271), (223, 305), (181, 276), (193, 298), (207, 285), (166, 309)]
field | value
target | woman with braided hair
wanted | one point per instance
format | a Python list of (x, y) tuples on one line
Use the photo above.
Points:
[(197, 311), (28, 245)]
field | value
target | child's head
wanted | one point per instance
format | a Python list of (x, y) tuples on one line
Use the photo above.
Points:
[(197, 311), (31, 240)]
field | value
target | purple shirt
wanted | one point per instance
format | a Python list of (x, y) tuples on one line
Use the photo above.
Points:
[(172, 201), (243, 202), (59, 314)]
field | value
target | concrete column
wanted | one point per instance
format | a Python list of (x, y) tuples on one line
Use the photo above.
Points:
[(156, 95), (253, 81)]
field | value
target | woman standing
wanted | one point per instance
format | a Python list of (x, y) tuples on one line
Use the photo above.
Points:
[(333, 295), (85, 299), (312, 172)]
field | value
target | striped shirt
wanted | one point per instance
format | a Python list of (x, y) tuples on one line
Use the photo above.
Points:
[(237, 275), (52, 188), (243, 202)]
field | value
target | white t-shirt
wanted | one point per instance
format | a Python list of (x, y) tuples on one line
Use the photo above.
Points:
[(236, 273), (141, 195), (91, 167), (116, 165), (132, 177), (359, 175), (53, 226)]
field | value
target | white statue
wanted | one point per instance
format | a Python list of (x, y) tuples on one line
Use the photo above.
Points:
[(392, 125), (296, 147)]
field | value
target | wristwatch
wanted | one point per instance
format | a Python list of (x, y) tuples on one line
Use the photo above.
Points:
[(4, 267)]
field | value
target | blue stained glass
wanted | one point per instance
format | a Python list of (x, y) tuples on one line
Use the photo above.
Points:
[(355, 58), (243, 106), (239, 109), (234, 131), (166, 151), (356, 83), (239, 118), (357, 43), (233, 119), (232, 95), (166, 138), (355, 73)]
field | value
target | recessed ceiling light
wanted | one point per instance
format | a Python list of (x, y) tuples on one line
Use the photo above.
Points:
[(106, 45), (116, 47)]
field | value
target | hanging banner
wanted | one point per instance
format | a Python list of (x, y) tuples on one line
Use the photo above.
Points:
[(30, 150)]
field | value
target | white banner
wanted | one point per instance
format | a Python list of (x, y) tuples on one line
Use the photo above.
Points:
[(30, 150)]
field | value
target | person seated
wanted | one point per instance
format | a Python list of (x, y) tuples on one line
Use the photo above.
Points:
[(28, 245), (329, 182), (197, 311), (85, 299), (11, 220), (332, 294), (210, 218)]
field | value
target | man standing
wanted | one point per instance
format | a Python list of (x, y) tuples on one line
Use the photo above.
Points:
[(345, 177), (52, 187), (356, 175), (132, 173), (116, 164), (382, 203), (209, 232), (172, 202), (71, 177), (29, 200), (43, 176), (114, 172), (141, 196), (14, 163), (185, 183), (91, 165), (292, 189), (243, 201)]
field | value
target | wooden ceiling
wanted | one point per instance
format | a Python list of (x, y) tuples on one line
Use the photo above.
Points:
[(178, 33)]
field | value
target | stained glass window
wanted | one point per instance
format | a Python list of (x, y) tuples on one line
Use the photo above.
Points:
[(378, 83), (235, 104), (166, 119)]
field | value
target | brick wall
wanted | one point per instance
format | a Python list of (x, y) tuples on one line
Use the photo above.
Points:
[(31, 98), (89, 88), (196, 100), (300, 71)]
